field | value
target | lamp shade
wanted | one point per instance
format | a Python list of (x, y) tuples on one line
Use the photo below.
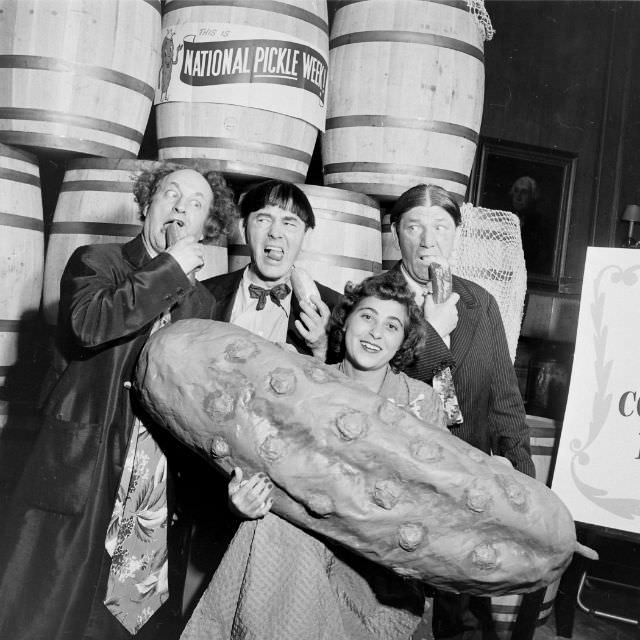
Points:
[(632, 213)]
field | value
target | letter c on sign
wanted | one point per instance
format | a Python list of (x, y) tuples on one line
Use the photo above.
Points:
[(623, 402)]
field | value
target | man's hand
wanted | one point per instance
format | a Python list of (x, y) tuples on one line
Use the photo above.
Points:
[(312, 325), (250, 498), (442, 317), (189, 254)]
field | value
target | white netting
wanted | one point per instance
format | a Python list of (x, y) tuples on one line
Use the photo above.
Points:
[(478, 11), (488, 251)]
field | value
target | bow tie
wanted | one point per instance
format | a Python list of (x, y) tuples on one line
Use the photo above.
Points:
[(277, 293)]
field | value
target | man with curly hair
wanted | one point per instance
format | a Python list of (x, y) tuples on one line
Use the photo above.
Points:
[(56, 566)]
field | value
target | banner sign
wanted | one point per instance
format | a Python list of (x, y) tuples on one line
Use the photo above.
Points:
[(597, 471), (245, 66)]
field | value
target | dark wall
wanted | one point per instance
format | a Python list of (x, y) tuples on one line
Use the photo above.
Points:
[(560, 75)]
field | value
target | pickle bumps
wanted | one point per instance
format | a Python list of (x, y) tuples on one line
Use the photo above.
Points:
[(351, 466)]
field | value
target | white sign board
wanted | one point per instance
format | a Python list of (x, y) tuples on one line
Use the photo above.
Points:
[(245, 66), (597, 472)]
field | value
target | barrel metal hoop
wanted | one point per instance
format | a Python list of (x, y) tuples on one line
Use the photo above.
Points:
[(19, 176), (97, 185), (391, 168), (45, 63), (20, 222), (382, 192), (339, 194), (240, 145), (155, 4), (244, 168), (409, 37), (49, 141), (422, 124), (454, 4), (19, 154), (271, 6), (72, 120), (109, 164), (96, 228), (348, 218), (8, 325)]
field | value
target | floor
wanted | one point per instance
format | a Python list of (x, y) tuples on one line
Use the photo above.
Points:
[(604, 597), (590, 627)]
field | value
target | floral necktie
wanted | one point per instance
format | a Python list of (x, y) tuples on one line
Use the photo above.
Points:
[(137, 535), (443, 385)]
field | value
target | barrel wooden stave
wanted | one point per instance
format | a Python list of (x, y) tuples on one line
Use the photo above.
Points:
[(21, 248), (405, 104), (246, 142), (83, 83), (345, 244)]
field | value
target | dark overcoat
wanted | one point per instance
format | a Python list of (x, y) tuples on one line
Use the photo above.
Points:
[(54, 565), (494, 418)]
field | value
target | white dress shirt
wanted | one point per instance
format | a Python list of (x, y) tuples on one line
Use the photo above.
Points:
[(270, 323)]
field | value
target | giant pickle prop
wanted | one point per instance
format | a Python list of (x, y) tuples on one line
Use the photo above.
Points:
[(352, 466)]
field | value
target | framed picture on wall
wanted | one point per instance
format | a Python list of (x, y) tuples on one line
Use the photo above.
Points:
[(536, 184)]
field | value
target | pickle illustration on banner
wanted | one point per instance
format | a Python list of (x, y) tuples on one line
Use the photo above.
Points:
[(441, 288)]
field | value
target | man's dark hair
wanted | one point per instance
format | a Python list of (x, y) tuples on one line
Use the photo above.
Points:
[(281, 194), (425, 195)]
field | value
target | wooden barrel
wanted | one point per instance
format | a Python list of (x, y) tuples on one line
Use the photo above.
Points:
[(22, 251), (406, 94), (244, 140), (544, 435), (504, 610), (96, 205), (345, 244), (78, 77)]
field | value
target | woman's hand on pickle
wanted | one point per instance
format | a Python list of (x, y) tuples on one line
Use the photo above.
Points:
[(250, 498)]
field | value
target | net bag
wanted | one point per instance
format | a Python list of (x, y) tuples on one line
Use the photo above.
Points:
[(488, 251)]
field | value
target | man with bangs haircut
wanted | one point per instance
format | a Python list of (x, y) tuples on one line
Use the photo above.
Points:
[(275, 216)]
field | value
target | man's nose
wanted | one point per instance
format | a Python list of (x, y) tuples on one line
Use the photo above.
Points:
[(427, 238), (275, 230)]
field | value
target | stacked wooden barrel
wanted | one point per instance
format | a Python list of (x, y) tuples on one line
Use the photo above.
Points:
[(22, 250), (405, 105), (77, 77)]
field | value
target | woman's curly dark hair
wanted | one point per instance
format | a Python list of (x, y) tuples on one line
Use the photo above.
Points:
[(223, 211), (386, 286)]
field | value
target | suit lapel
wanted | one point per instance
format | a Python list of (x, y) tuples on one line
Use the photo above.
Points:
[(463, 335), (225, 291)]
